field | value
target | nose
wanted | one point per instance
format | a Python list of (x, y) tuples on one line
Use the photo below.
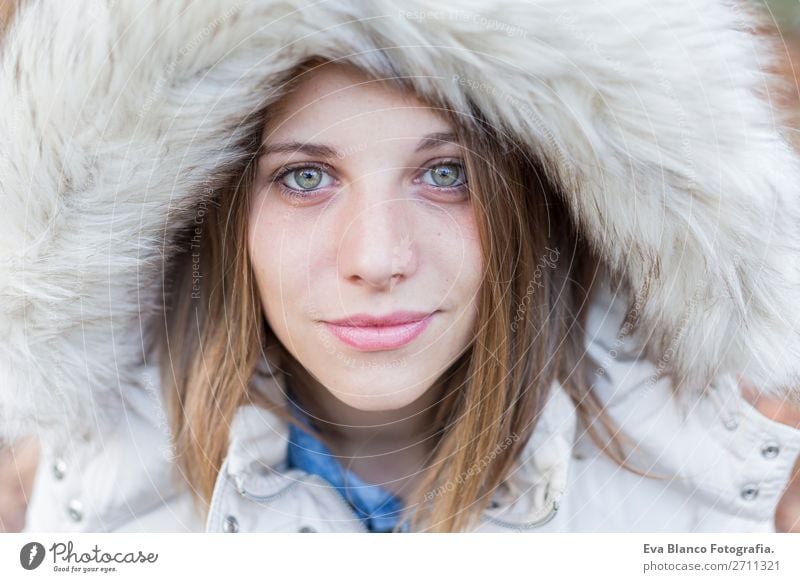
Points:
[(377, 246)]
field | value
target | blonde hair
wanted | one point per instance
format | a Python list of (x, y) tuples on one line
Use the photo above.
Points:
[(492, 394)]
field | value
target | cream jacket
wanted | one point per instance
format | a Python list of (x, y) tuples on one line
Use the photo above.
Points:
[(726, 463)]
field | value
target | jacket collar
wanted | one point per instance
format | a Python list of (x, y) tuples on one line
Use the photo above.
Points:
[(256, 459)]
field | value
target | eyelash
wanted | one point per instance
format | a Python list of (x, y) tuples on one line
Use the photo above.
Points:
[(283, 171)]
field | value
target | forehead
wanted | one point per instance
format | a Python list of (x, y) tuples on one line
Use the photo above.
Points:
[(333, 97)]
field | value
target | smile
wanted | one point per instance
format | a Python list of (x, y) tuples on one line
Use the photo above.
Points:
[(373, 338)]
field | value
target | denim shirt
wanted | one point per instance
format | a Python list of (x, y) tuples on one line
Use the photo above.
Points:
[(377, 507)]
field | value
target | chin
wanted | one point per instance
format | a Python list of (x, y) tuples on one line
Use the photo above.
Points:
[(377, 397)]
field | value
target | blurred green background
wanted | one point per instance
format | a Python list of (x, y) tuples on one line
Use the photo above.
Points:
[(785, 12)]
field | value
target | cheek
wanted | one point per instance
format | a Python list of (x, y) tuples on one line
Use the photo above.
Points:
[(283, 258), (265, 234), (462, 255), (457, 261), (260, 230)]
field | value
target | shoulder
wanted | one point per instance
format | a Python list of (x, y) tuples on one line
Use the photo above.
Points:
[(126, 480), (720, 464)]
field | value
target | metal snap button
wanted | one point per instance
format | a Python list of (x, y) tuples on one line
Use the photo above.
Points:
[(59, 469), (230, 525), (75, 510), (732, 423), (749, 492), (770, 450), (307, 529)]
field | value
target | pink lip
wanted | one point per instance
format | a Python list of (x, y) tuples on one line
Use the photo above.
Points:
[(370, 334)]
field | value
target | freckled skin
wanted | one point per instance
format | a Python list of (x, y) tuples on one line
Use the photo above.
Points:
[(375, 242)]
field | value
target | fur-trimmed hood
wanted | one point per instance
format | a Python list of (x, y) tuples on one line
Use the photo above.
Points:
[(654, 119)]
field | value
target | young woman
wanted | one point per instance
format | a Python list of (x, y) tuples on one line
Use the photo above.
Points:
[(356, 268)]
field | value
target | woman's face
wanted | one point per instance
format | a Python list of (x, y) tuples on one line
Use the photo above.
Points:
[(363, 239)]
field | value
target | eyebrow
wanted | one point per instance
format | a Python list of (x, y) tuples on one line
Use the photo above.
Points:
[(321, 150), (433, 140)]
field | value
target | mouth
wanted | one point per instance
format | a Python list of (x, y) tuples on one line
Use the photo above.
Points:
[(372, 334)]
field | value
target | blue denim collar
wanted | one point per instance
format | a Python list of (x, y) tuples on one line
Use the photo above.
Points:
[(377, 508)]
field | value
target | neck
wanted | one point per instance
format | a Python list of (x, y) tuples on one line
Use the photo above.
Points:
[(352, 432)]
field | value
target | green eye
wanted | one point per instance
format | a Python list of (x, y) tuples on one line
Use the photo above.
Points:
[(306, 178), (449, 175)]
